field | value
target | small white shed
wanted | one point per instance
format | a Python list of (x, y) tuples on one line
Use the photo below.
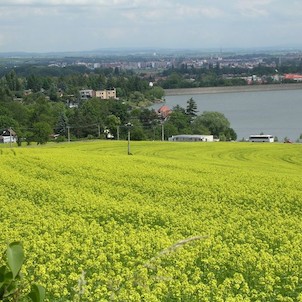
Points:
[(8, 136)]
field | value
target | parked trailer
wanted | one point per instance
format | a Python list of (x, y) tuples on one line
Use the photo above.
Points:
[(191, 138)]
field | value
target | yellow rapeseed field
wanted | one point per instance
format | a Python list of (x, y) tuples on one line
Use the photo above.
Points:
[(172, 222)]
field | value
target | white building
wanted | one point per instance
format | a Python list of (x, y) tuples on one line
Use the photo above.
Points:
[(191, 138), (8, 136)]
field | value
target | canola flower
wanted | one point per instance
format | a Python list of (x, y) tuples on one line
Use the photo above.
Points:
[(89, 207)]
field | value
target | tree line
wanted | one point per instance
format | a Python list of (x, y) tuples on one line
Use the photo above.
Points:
[(36, 107)]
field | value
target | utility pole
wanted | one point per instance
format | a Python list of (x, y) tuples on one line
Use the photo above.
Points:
[(118, 132), (162, 129), (129, 126), (10, 136), (68, 133), (99, 131)]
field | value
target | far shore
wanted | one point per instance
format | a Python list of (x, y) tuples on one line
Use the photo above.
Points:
[(229, 89)]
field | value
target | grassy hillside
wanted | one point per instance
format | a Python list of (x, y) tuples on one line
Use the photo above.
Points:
[(172, 222)]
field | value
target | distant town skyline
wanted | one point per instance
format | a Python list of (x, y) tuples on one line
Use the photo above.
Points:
[(79, 25)]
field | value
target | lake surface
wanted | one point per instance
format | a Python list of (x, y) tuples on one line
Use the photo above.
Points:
[(278, 112)]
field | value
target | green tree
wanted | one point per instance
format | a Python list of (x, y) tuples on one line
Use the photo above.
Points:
[(8, 122), (62, 123), (148, 117), (173, 81), (191, 109), (89, 118), (230, 134), (169, 130), (35, 83), (4, 111), (47, 83), (112, 122), (41, 111), (53, 93), (116, 108), (216, 122), (155, 93), (222, 137), (12, 81), (41, 131), (28, 136), (5, 94), (180, 120), (19, 112), (137, 132), (198, 127)]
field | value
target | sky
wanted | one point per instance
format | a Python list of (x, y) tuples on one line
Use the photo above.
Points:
[(79, 25)]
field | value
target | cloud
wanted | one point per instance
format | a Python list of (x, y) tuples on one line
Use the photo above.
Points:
[(89, 24), (200, 10), (169, 12), (49, 2), (255, 8), (92, 3)]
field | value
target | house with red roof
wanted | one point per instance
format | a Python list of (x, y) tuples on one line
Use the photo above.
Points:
[(293, 77), (164, 111)]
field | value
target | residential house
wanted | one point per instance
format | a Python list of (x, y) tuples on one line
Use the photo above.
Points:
[(293, 77), (8, 136), (27, 92), (164, 111)]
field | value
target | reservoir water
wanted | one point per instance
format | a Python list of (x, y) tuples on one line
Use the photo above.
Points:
[(277, 112)]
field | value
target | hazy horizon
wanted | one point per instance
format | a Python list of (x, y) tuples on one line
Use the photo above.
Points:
[(157, 50)]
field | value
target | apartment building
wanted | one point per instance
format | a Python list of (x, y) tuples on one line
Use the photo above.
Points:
[(106, 94), (87, 94), (101, 94)]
